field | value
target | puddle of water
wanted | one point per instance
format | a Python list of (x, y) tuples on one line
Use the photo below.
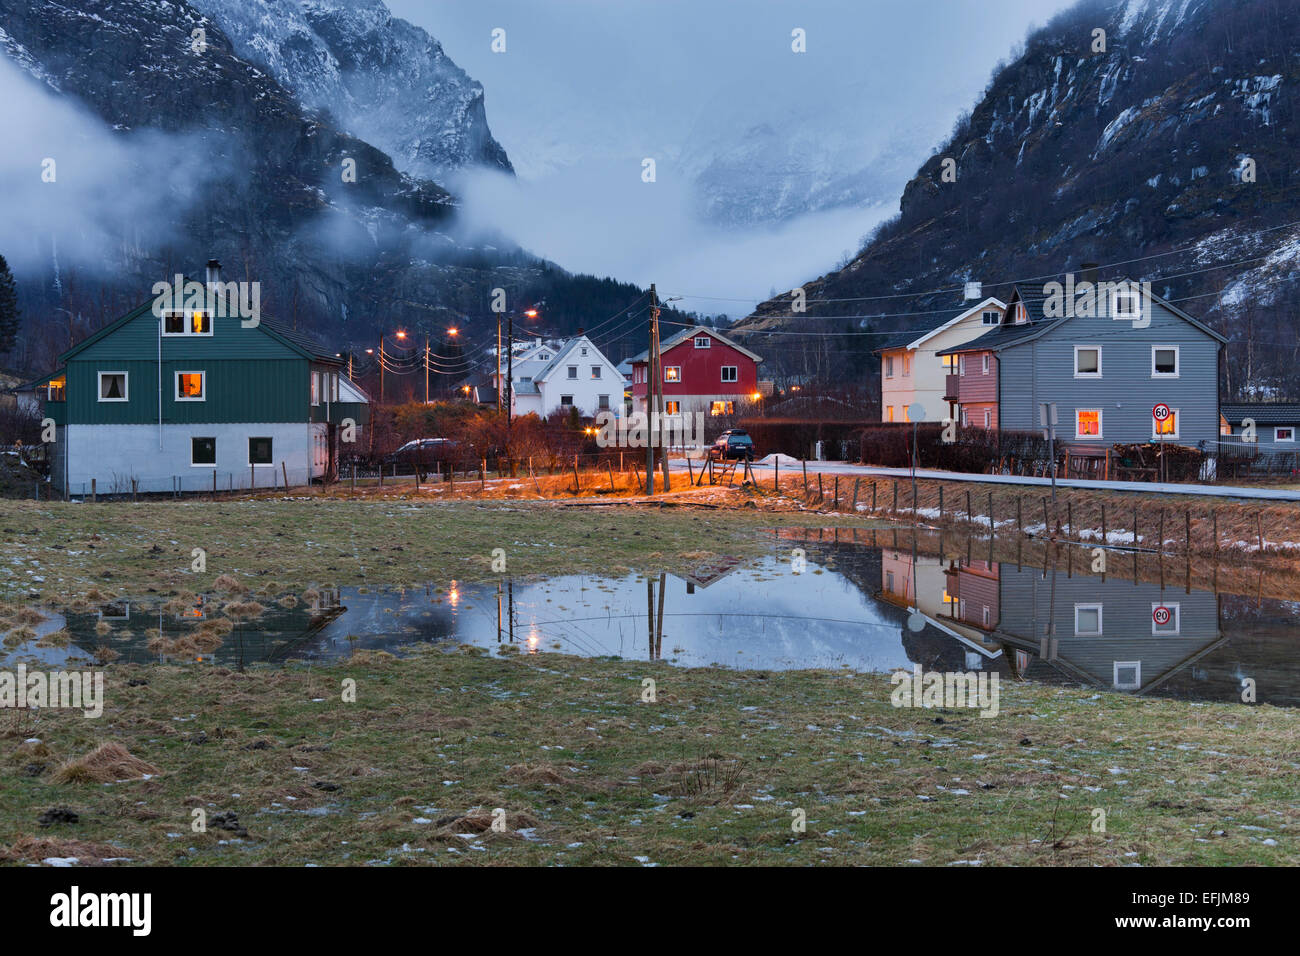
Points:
[(854, 606)]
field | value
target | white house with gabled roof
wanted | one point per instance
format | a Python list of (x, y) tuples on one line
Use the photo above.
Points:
[(574, 374), (911, 371)]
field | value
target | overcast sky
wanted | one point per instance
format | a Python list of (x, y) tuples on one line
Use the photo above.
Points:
[(587, 89)]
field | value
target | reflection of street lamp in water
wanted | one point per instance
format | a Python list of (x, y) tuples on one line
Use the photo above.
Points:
[(915, 414)]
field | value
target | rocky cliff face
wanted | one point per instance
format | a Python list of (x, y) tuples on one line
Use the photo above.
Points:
[(376, 76), (1171, 153)]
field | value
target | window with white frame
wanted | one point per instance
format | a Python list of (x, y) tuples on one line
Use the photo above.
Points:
[(203, 452), (729, 373), (1167, 428), (1087, 423), (573, 371), (672, 408), (1172, 622), (1125, 303), (602, 402), (1284, 433), (1164, 361), (987, 417), (566, 401), (961, 364), (889, 366), (1087, 361), (1021, 315), (907, 365), (1127, 675), (113, 387), (965, 417), (992, 317), (595, 371), (190, 386), (672, 373), (1087, 619), (984, 364), (703, 342), (187, 323)]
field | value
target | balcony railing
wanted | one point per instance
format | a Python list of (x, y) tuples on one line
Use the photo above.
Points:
[(952, 388)]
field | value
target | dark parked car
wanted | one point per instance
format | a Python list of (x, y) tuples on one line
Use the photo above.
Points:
[(424, 453), (734, 443)]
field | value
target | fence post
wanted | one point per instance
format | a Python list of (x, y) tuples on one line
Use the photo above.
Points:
[(1103, 524), (92, 491), (1069, 518), (354, 477), (776, 472), (991, 522), (252, 477), (135, 484), (856, 482), (894, 509), (804, 463), (1214, 520), (873, 496), (214, 484), (1020, 524), (1187, 530), (284, 470), (941, 504)]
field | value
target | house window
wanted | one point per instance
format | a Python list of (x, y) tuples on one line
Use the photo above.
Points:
[(1125, 304), (703, 342), (187, 323), (1087, 361), (1166, 429), (566, 401), (1164, 361), (889, 413), (189, 387), (1087, 423), (990, 318), (1284, 434), (1128, 675), (56, 389), (985, 617), (1087, 619), (672, 408), (573, 371), (1021, 316), (722, 408), (672, 373), (595, 371), (112, 387), (602, 402), (965, 417), (729, 373), (584, 352), (907, 365), (889, 366), (203, 451), (1171, 626), (259, 451), (543, 357), (889, 581), (984, 369), (987, 415), (961, 364)]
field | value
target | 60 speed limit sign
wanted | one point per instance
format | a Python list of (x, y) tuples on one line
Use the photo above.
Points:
[(1161, 412), (1161, 615)]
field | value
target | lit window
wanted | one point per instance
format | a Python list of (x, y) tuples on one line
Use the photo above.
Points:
[(189, 387), (672, 408), (672, 373), (729, 373), (722, 408), (259, 451), (889, 413), (187, 323), (112, 387), (1087, 619), (1087, 362), (203, 451), (1087, 423), (1167, 428), (1164, 361), (56, 389), (1021, 315), (1283, 434)]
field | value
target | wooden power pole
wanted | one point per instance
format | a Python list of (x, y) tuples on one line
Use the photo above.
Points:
[(652, 375)]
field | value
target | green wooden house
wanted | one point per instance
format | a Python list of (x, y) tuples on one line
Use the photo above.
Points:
[(194, 400)]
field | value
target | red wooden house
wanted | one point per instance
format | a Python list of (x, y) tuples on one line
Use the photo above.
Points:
[(704, 371)]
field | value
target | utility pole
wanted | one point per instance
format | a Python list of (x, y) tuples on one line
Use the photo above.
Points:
[(426, 370), (499, 383), (381, 370), (659, 378), (652, 375), (510, 376)]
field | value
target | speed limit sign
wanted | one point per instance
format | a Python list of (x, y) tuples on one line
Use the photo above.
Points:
[(1161, 615), (1160, 412)]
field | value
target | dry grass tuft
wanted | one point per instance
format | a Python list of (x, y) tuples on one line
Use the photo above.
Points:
[(536, 773), (28, 849), (107, 763), (229, 584)]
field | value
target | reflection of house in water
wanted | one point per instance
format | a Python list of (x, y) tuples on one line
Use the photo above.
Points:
[(1101, 632), (706, 573)]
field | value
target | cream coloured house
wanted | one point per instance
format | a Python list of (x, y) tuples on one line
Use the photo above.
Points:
[(912, 372)]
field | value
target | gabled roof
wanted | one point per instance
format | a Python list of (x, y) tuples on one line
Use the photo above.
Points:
[(296, 341), (915, 338), (677, 339), (1264, 413), (561, 356), (1009, 334)]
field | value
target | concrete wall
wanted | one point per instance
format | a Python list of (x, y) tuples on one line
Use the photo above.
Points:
[(114, 454)]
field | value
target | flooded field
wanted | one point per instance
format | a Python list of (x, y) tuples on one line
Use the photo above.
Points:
[(856, 601)]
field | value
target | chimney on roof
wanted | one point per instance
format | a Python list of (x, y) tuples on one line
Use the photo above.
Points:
[(974, 290), (1088, 272), (580, 330), (214, 274)]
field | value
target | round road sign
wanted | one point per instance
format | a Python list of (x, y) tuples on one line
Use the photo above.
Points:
[(1160, 412), (1161, 615)]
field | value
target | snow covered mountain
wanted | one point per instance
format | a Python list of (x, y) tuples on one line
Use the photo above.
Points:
[(1170, 150), (375, 76)]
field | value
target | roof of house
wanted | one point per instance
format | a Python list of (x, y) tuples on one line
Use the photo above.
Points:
[(1264, 413), (562, 356), (1009, 334), (916, 337), (678, 338), (295, 340)]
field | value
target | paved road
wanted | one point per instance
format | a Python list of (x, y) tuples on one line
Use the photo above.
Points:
[(1142, 487)]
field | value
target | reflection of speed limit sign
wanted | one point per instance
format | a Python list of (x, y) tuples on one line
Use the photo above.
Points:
[(1160, 412), (1160, 615)]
